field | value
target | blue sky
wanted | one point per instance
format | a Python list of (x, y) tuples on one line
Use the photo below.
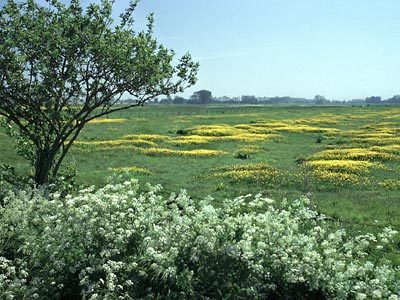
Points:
[(336, 48)]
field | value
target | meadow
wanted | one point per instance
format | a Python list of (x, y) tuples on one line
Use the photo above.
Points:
[(254, 237), (345, 159)]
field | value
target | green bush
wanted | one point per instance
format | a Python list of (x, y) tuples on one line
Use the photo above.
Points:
[(118, 242)]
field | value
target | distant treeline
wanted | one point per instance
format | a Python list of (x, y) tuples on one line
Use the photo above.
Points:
[(205, 97)]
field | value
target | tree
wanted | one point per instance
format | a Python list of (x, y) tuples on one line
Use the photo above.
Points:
[(179, 100), (319, 100), (373, 100), (249, 99), (62, 66), (394, 99), (201, 97)]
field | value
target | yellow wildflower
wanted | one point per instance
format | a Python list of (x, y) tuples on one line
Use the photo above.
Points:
[(353, 154), (116, 143), (390, 184), (249, 149), (192, 140), (171, 152), (259, 172), (223, 132), (100, 121), (131, 170), (147, 137), (378, 140), (214, 130), (337, 178), (393, 149), (249, 137), (348, 166)]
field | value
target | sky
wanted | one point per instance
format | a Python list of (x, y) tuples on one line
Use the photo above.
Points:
[(341, 49), (336, 48)]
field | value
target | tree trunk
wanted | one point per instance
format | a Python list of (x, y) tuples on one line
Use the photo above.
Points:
[(44, 162)]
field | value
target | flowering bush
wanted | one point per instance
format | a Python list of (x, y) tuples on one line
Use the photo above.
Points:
[(120, 242)]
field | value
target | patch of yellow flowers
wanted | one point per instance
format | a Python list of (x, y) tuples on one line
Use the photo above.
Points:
[(249, 149), (171, 152), (361, 134), (338, 178), (392, 184), (380, 126), (215, 130), (327, 119), (378, 140), (249, 137), (116, 143), (147, 137), (257, 172), (342, 171), (192, 140), (376, 143), (131, 170), (255, 129), (393, 149), (101, 121), (223, 132), (346, 166), (290, 126), (385, 133), (353, 154)]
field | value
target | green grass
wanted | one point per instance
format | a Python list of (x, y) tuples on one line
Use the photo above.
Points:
[(362, 203)]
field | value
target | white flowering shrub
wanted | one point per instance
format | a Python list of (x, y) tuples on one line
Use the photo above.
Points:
[(118, 242)]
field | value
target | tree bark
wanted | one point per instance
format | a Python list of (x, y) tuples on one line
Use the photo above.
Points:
[(44, 162)]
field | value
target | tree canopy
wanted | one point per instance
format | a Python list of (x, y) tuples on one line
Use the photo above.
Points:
[(64, 65)]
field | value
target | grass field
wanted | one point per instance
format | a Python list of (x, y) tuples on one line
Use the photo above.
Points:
[(346, 159)]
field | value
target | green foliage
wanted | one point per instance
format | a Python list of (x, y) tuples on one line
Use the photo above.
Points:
[(10, 181), (123, 242), (62, 66), (24, 146)]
